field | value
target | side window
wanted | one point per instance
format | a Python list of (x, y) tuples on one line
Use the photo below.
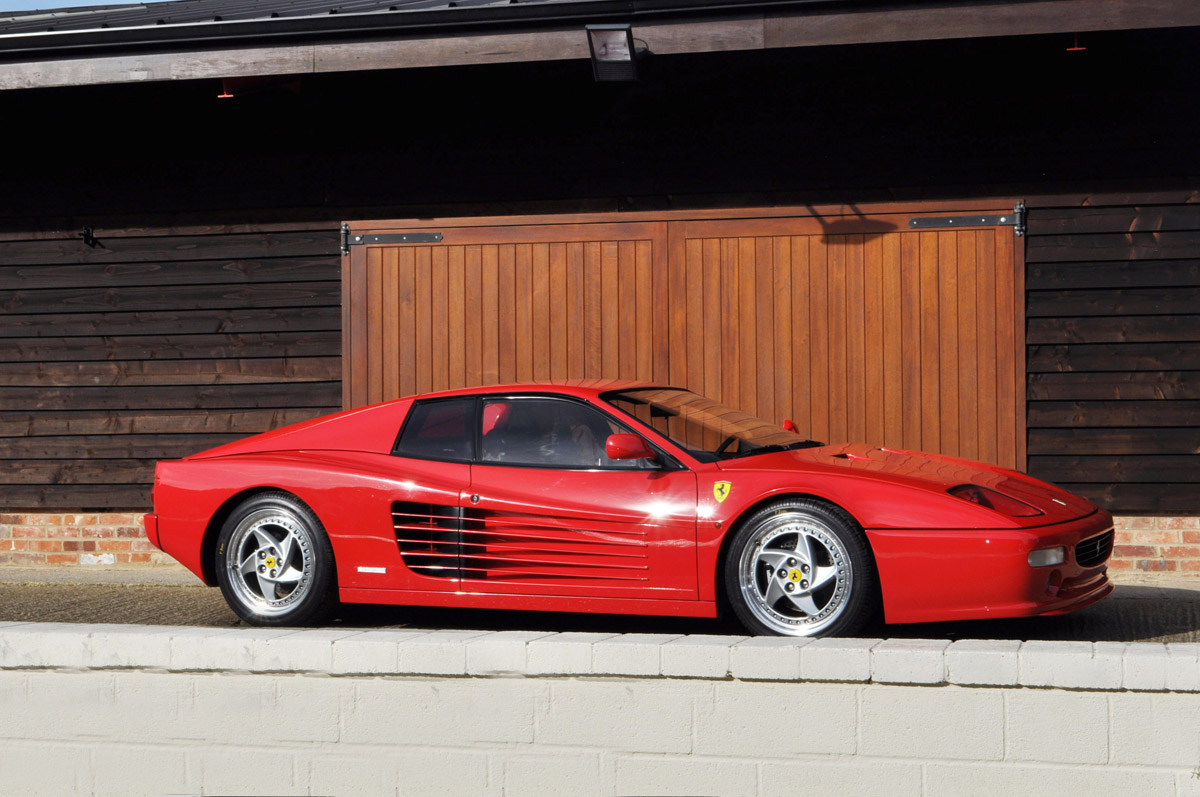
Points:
[(439, 430), (548, 433)]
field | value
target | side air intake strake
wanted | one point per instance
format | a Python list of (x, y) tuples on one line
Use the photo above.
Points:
[(451, 542)]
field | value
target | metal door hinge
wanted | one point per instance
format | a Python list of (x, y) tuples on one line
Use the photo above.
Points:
[(359, 239), (1016, 220)]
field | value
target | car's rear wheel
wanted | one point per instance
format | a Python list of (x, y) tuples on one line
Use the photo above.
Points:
[(801, 568), (275, 563)]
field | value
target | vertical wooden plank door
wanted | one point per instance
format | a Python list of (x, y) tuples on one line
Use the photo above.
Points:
[(856, 328), (491, 305)]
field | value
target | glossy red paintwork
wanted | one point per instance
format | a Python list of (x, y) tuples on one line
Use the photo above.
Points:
[(639, 541)]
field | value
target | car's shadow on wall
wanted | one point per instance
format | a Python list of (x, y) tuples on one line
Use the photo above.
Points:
[(1133, 613)]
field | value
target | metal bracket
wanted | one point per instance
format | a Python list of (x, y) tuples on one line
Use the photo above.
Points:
[(1016, 220), (349, 240)]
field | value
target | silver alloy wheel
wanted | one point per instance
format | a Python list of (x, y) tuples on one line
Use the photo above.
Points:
[(795, 574), (270, 561)]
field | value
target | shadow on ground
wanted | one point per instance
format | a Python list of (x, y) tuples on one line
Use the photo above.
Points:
[(1133, 613)]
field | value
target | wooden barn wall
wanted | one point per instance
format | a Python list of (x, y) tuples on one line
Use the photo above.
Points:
[(1114, 350), (154, 345)]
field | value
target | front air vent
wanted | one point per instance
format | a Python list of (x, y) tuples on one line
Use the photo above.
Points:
[(1094, 550)]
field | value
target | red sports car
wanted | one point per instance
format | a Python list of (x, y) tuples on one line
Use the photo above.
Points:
[(618, 498)]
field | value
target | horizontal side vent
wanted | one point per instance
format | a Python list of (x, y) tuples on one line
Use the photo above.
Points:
[(429, 536), (451, 542)]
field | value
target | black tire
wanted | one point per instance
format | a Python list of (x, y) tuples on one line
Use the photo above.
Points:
[(801, 567), (275, 564)]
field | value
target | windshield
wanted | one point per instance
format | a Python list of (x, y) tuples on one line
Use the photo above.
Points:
[(704, 428)]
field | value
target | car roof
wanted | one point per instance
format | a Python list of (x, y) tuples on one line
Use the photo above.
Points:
[(583, 388)]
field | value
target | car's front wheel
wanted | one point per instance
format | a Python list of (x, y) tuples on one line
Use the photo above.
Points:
[(801, 568), (275, 563)]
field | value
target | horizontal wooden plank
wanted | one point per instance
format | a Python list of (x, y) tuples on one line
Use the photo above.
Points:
[(172, 372), (166, 248), (185, 272), (1088, 357), (1119, 274), (1137, 499), (93, 471), (1117, 194), (106, 497), (175, 298), (1113, 413), (1113, 385), (1162, 440), (201, 421), (1075, 221), (1114, 301), (152, 225), (171, 347), (1114, 329), (1156, 468), (1126, 246), (309, 394), (168, 322), (116, 446)]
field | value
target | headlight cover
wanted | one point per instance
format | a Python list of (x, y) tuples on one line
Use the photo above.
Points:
[(1047, 557), (991, 499)]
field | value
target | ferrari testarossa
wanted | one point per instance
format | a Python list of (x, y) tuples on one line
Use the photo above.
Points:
[(618, 498)]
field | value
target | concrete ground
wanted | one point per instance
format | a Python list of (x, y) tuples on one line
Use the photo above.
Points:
[(1164, 610)]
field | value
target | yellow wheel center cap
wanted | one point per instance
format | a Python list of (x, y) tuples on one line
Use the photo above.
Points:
[(271, 563), (794, 576)]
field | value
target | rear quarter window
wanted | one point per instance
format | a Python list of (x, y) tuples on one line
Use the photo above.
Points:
[(439, 430)]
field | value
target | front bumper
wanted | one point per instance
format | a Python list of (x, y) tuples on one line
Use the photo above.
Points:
[(935, 575)]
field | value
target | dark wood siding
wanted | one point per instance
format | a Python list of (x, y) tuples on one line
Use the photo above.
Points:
[(1114, 350), (154, 345)]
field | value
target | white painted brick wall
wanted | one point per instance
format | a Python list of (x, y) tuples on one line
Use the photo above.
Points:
[(118, 710), (685, 777), (984, 662), (910, 722), (1056, 726)]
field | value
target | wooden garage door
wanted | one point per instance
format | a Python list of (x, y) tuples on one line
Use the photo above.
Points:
[(854, 327)]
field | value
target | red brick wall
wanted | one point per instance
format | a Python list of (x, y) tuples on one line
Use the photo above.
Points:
[(1144, 545), (1168, 545), (33, 539)]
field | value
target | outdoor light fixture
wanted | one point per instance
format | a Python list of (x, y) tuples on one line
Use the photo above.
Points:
[(613, 53)]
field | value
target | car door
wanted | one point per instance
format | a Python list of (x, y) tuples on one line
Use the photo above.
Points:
[(550, 514)]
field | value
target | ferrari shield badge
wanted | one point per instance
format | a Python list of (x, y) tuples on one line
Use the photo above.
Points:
[(721, 491)]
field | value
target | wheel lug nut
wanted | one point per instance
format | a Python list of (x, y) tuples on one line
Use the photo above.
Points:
[(791, 562), (790, 587), (803, 568), (262, 569), (803, 585)]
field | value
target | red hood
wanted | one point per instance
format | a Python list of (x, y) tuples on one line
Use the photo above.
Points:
[(932, 472)]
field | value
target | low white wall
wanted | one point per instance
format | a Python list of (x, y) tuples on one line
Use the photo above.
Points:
[(146, 710)]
